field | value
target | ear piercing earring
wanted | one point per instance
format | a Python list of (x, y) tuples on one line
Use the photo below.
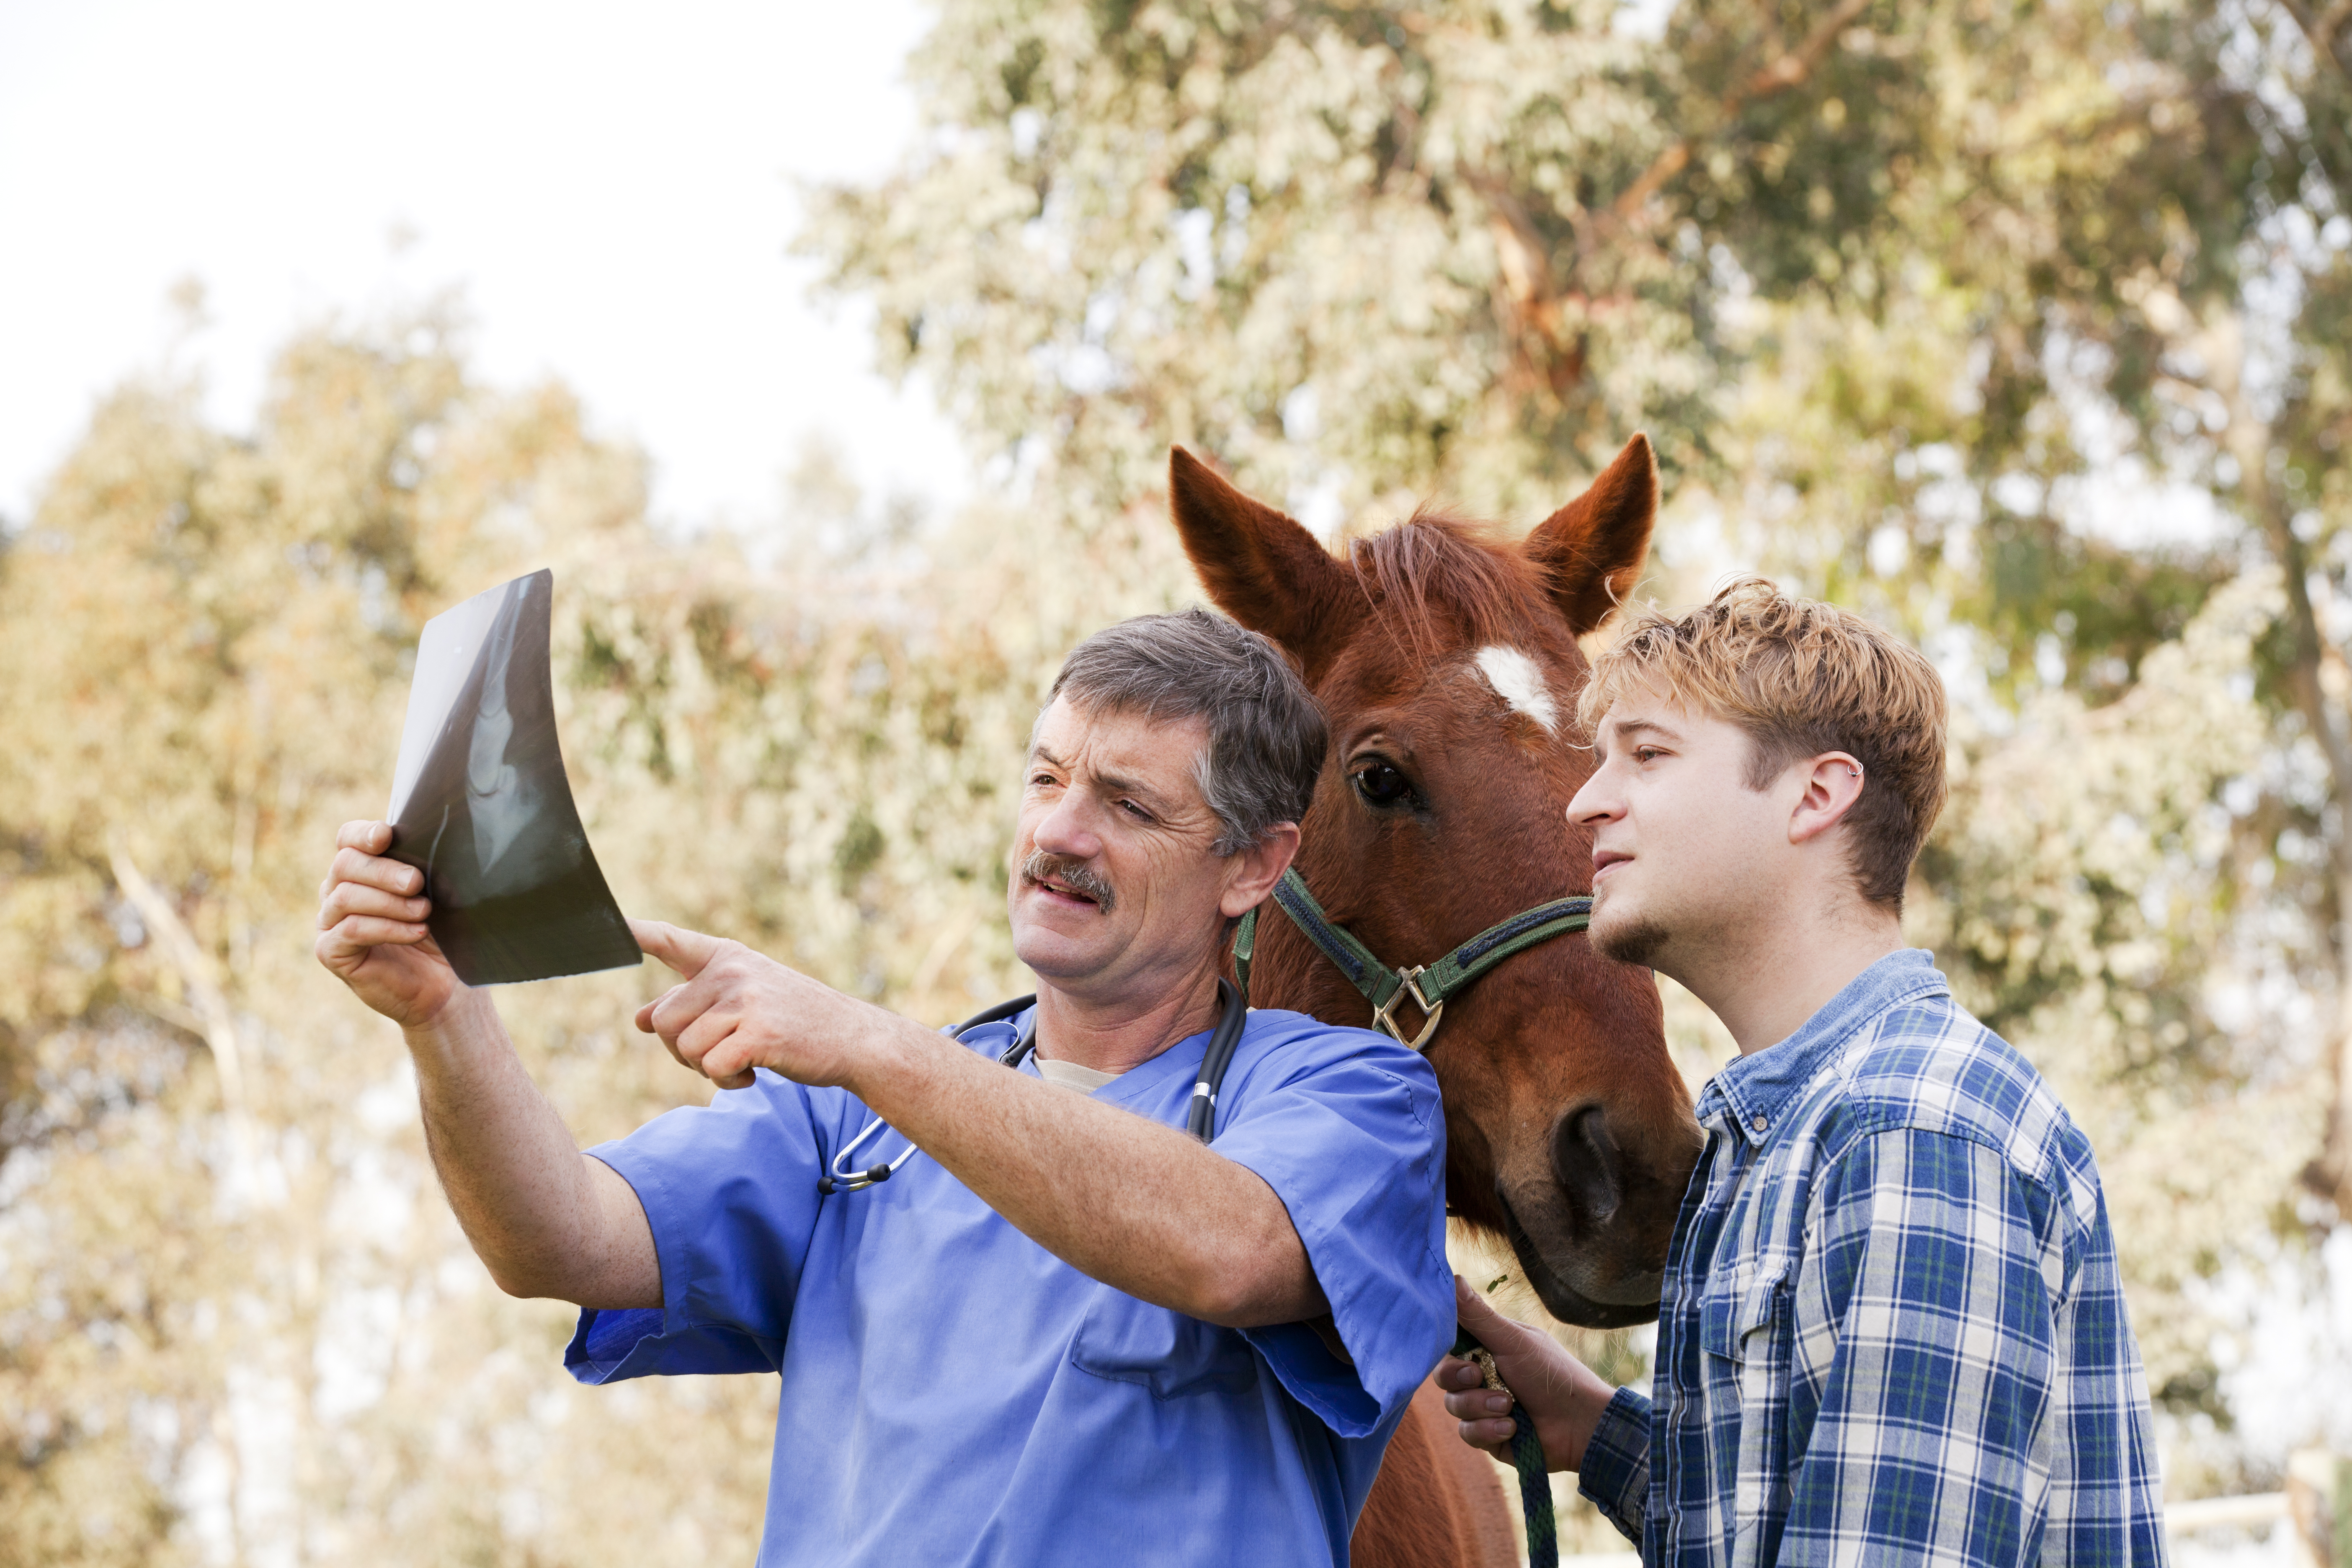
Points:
[(1856, 771)]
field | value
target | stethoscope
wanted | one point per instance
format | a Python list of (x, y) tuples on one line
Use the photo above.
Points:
[(1200, 1118)]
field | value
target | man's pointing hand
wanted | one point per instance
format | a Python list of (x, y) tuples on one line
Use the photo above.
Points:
[(734, 1010)]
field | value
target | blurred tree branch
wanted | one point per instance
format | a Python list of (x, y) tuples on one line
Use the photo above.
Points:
[(1787, 70), (2252, 440), (2326, 30), (199, 977)]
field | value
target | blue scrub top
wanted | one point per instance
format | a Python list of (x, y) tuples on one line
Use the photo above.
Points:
[(955, 1394)]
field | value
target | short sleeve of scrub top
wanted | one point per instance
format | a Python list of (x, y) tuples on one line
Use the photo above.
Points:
[(731, 1193), (1330, 1143)]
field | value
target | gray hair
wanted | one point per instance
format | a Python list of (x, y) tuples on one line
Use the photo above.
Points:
[(1267, 734)]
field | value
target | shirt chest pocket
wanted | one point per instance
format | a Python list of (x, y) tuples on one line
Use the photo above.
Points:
[(1741, 1318), (1129, 1340)]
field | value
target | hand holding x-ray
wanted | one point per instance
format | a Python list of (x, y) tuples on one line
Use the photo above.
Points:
[(481, 806)]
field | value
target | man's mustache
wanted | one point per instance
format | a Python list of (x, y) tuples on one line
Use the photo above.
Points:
[(1074, 875)]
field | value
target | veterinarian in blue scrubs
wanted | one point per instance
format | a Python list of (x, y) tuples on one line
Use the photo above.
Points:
[(954, 1392), (1060, 1329)]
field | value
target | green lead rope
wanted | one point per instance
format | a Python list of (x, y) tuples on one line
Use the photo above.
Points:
[(1526, 1458)]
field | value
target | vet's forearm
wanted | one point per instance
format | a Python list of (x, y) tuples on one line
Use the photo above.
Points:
[(1122, 1199), (546, 1219)]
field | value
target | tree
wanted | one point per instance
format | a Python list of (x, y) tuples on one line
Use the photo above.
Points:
[(236, 1318)]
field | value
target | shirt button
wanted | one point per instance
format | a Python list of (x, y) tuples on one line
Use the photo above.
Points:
[(1760, 1124)]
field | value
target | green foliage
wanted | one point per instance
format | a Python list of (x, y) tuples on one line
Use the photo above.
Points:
[(1155, 223), (2084, 893)]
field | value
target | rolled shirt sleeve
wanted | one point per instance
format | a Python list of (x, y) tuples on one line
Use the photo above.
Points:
[(1615, 1476)]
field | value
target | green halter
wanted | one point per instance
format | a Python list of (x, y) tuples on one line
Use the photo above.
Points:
[(1428, 985)]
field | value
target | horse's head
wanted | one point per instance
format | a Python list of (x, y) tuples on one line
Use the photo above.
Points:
[(1449, 666)]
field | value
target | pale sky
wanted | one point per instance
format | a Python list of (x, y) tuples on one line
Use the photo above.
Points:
[(611, 187)]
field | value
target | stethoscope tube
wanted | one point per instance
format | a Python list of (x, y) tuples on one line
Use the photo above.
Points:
[(1199, 1116)]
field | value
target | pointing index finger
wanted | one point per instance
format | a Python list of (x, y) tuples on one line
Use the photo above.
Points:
[(685, 951)]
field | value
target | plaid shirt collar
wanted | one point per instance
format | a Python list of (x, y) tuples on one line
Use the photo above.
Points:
[(1751, 1092)]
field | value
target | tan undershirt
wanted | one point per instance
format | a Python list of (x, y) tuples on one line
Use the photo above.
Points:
[(1070, 1075)]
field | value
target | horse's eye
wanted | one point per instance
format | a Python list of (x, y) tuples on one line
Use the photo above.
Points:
[(1382, 784)]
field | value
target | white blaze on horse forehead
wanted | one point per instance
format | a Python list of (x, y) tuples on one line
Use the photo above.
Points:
[(1519, 682)]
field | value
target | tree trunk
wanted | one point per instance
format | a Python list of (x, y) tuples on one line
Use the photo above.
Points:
[(2329, 1173)]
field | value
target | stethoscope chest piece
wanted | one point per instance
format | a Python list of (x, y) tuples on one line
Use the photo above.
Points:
[(840, 1179)]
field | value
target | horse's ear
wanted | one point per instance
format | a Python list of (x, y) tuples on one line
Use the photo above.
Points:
[(1263, 569), (1590, 550)]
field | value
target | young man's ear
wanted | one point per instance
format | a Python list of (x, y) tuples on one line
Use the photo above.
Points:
[(1832, 784)]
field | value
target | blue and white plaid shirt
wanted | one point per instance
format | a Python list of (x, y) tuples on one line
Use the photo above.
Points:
[(1892, 1328)]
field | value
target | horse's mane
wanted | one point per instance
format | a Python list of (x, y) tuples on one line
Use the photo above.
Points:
[(1434, 577)]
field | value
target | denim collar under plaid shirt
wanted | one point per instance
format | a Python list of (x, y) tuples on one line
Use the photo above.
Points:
[(1892, 1328)]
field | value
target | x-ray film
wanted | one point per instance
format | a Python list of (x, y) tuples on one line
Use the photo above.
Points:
[(481, 805)]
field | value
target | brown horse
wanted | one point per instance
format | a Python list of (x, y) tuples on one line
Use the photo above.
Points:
[(1448, 663)]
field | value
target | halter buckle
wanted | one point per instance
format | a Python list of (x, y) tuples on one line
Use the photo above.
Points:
[(1384, 1015)]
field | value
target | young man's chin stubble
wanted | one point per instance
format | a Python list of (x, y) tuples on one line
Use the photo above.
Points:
[(1637, 940)]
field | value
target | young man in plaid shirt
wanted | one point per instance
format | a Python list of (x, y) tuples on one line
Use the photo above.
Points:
[(1891, 1328)]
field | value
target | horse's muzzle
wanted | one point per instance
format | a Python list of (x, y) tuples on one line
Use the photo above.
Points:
[(1591, 1239)]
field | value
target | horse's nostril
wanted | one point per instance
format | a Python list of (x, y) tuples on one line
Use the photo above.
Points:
[(1584, 1158)]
